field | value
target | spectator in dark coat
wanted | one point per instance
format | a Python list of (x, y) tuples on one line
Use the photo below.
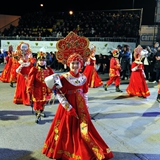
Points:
[(125, 62)]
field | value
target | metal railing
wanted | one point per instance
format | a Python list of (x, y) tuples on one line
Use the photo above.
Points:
[(111, 39)]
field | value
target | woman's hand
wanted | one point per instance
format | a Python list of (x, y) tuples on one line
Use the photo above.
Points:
[(72, 112)]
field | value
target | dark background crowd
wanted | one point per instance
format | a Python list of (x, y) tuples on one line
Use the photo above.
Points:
[(115, 23)]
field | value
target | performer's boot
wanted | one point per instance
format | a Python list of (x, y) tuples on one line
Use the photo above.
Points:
[(158, 98), (38, 116), (105, 87), (11, 84), (118, 90), (42, 113)]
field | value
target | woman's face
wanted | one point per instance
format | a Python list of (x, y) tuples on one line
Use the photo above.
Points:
[(75, 66), (92, 54)]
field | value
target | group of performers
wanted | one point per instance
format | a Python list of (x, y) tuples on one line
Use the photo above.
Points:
[(137, 84), (137, 73), (72, 134), (30, 88)]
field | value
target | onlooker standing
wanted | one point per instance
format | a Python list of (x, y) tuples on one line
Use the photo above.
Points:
[(54, 62), (99, 59), (154, 51), (147, 64), (105, 64), (158, 96), (157, 65), (1, 57), (125, 62), (48, 58)]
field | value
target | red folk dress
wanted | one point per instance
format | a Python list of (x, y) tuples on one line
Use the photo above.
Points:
[(137, 84), (70, 138), (90, 72), (37, 87), (13, 73), (20, 95), (5, 76)]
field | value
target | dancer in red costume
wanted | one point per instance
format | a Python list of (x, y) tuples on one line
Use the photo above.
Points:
[(36, 87), (114, 72), (137, 84), (9, 54), (15, 64), (26, 63), (72, 135), (90, 72), (5, 76)]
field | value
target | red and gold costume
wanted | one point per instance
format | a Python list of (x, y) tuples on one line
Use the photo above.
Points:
[(9, 54), (26, 63), (137, 84), (5, 76), (72, 134), (36, 86), (13, 74), (114, 71), (90, 72)]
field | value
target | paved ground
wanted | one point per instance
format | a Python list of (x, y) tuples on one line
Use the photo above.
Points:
[(129, 125)]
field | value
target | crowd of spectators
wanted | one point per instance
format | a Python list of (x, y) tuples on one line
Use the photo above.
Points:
[(113, 23)]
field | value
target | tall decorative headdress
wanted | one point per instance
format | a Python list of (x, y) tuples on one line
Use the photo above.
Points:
[(24, 47), (93, 48), (10, 48), (70, 45), (137, 52), (115, 53), (41, 54)]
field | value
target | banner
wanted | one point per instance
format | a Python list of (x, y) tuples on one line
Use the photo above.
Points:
[(50, 46), (157, 12), (148, 35)]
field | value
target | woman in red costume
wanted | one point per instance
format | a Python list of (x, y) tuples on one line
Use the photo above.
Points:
[(26, 63), (36, 87), (5, 76), (72, 135), (137, 84), (13, 74), (9, 54), (90, 72)]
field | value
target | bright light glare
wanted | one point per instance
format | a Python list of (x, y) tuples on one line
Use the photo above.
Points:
[(70, 12)]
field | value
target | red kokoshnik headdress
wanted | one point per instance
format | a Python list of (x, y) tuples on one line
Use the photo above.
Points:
[(69, 46), (24, 47)]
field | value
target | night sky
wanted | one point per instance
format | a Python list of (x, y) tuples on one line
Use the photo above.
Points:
[(13, 8)]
